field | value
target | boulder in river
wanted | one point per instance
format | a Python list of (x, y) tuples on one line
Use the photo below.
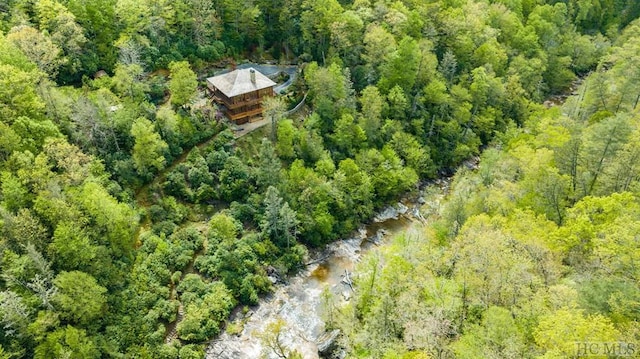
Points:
[(391, 212), (327, 342), (273, 275)]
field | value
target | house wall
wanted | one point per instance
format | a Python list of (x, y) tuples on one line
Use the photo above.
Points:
[(243, 108)]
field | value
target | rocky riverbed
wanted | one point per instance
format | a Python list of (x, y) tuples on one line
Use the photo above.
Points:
[(297, 300)]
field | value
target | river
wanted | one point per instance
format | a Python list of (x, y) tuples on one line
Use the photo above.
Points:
[(298, 302)]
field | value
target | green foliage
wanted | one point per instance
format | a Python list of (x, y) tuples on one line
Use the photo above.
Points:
[(529, 254), (114, 223), (286, 135), (182, 83), (236, 263), (149, 148), (234, 180), (349, 137), (71, 247), (558, 332), (388, 176), (496, 336), (127, 81), (67, 342), (18, 78), (222, 227), (191, 351), (80, 298), (203, 317), (330, 90), (38, 48), (401, 66), (397, 93), (272, 340), (373, 105), (269, 166), (280, 222)]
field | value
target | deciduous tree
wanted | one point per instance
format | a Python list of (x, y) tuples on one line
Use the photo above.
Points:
[(182, 84), (149, 148)]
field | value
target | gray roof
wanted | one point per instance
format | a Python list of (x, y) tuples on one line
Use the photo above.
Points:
[(238, 82)]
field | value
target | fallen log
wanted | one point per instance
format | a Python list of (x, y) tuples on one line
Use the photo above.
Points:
[(346, 279), (320, 260)]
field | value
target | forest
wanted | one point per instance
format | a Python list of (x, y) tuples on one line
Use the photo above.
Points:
[(132, 222), (534, 251)]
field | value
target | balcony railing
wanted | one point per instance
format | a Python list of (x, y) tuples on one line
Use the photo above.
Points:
[(249, 113), (241, 103)]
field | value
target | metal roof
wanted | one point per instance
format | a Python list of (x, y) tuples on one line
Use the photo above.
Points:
[(239, 82)]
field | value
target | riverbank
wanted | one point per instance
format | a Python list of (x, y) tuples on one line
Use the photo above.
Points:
[(298, 302)]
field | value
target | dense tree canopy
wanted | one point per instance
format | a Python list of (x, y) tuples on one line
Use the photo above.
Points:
[(531, 254), (132, 222)]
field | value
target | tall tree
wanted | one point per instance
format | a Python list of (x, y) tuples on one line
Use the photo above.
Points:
[(38, 48), (149, 148), (182, 83), (80, 298), (274, 110)]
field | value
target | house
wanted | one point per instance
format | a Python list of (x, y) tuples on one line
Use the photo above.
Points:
[(240, 92)]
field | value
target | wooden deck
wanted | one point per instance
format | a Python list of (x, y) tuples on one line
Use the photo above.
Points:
[(246, 114)]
